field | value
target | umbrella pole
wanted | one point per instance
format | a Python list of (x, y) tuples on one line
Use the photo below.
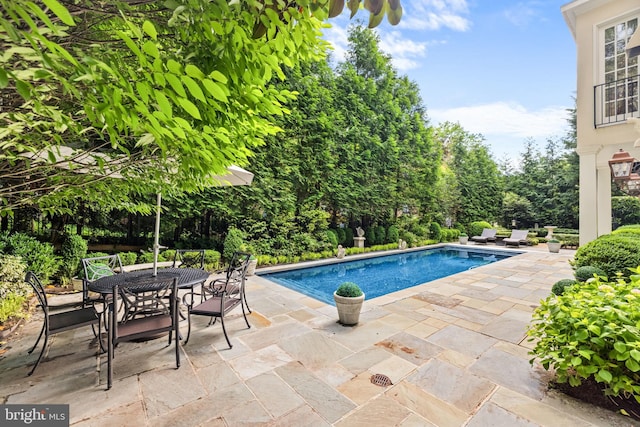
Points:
[(156, 237)]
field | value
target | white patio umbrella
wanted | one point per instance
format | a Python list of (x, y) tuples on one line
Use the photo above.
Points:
[(86, 163), (235, 176)]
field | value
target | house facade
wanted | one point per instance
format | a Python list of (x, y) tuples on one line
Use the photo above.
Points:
[(607, 100)]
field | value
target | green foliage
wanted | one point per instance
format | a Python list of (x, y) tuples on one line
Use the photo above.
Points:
[(475, 228), (342, 235), (560, 285), (348, 240), (392, 234), (349, 290), (587, 272), (632, 229), (212, 260), (380, 234), (332, 236), (11, 306), (613, 253), (39, 257), (370, 236), (232, 243), (12, 272), (128, 258), (410, 238), (435, 231), (625, 210), (147, 257), (72, 249), (591, 331)]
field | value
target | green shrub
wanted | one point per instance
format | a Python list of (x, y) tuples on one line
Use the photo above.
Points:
[(625, 209), (476, 227), (613, 253), (435, 231), (11, 306), (560, 285), (370, 236), (349, 290), (348, 239), (212, 260), (39, 257), (232, 243), (332, 237), (410, 238), (591, 331), (342, 235), (12, 272), (147, 257), (168, 254), (392, 234), (128, 258), (380, 233), (586, 272), (72, 249)]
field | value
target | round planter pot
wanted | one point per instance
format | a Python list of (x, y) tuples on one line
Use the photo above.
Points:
[(463, 240), (251, 268), (348, 308), (554, 247)]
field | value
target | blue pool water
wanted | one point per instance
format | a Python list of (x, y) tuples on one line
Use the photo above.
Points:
[(384, 274)]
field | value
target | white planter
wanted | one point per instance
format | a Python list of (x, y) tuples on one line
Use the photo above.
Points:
[(463, 240), (348, 308), (554, 247), (251, 268)]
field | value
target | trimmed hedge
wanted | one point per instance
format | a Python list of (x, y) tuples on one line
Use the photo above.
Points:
[(476, 227), (612, 253), (559, 287)]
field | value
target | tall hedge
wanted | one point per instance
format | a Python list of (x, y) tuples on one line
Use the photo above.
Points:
[(625, 209), (476, 227)]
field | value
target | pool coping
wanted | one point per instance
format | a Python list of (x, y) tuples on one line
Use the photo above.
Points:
[(356, 257), (391, 296)]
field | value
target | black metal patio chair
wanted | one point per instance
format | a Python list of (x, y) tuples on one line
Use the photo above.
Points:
[(147, 311), (189, 258), (55, 323)]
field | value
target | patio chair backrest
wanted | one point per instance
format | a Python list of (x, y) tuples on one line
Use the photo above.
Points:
[(519, 234), (189, 258), (96, 268), (489, 232)]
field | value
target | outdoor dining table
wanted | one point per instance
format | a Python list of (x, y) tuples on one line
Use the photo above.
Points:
[(144, 280)]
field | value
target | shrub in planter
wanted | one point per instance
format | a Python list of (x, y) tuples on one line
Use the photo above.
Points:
[(348, 298), (586, 272), (559, 287), (348, 289), (611, 253), (591, 331)]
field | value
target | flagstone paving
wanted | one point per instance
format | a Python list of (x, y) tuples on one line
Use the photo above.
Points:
[(455, 350)]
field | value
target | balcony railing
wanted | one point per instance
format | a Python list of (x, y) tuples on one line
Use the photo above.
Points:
[(616, 101)]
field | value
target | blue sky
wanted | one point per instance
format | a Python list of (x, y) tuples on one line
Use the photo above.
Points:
[(503, 69)]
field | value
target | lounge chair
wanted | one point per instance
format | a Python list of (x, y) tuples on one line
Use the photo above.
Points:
[(488, 235), (517, 238)]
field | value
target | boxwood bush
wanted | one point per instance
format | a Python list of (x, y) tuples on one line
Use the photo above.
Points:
[(613, 253), (591, 331), (586, 272), (559, 287)]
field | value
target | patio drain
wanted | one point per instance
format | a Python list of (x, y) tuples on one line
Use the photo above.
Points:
[(381, 380)]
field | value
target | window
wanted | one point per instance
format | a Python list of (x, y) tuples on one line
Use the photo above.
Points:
[(619, 93)]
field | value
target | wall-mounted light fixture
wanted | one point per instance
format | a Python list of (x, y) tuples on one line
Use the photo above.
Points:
[(624, 171)]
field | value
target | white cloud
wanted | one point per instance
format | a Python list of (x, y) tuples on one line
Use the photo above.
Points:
[(405, 53), (523, 13), (506, 119), (435, 14)]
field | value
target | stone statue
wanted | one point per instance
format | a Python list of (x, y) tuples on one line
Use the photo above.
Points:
[(341, 252), (360, 232)]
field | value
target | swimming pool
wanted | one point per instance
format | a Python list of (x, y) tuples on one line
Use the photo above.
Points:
[(382, 275)]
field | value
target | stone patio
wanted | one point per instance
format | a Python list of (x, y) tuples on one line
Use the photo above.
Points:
[(454, 349)]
